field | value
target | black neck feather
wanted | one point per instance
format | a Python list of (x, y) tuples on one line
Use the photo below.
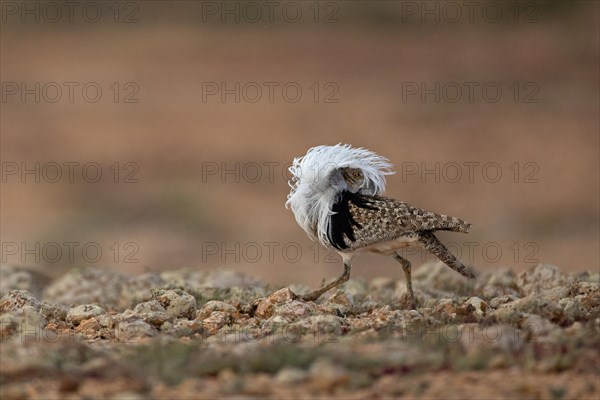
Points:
[(342, 222)]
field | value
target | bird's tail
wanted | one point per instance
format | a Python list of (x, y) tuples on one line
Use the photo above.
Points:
[(432, 244), (453, 224)]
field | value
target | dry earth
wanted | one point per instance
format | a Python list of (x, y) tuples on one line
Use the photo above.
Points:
[(194, 334)]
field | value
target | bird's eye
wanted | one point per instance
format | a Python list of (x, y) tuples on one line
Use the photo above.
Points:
[(355, 175)]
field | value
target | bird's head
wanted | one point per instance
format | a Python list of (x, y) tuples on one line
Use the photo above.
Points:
[(354, 177)]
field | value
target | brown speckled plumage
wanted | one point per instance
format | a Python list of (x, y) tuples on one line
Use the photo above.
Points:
[(336, 198), (383, 225), (388, 219)]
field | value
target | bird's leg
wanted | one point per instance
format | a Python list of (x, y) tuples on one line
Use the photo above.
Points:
[(406, 267), (312, 296)]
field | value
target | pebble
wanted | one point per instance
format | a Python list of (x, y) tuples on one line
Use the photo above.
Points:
[(177, 303), (480, 306), (80, 313), (290, 376), (17, 299)]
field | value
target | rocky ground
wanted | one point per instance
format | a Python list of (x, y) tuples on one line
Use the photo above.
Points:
[(195, 334)]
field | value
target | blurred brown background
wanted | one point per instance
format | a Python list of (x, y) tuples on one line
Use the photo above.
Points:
[(210, 157)]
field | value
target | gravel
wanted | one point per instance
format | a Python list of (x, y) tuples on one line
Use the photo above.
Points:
[(205, 334)]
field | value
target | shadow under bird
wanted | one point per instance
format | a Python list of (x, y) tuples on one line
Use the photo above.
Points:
[(336, 198)]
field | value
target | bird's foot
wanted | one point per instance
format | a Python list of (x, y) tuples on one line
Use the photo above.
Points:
[(409, 302), (313, 296)]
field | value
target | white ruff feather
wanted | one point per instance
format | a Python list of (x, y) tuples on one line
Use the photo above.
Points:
[(317, 183)]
